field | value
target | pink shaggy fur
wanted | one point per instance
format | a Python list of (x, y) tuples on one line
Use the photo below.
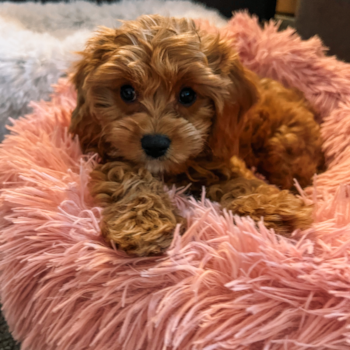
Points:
[(223, 285)]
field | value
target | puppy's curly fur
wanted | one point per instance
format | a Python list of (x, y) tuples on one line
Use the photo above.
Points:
[(234, 121)]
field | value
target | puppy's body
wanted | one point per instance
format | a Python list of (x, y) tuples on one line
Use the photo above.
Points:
[(281, 138), (161, 101)]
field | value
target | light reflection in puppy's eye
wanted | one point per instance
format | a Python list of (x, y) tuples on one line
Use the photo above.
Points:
[(187, 96), (128, 93)]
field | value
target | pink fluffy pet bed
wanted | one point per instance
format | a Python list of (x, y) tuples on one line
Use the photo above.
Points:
[(222, 285)]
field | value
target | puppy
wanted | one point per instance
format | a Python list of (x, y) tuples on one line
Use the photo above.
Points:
[(163, 102)]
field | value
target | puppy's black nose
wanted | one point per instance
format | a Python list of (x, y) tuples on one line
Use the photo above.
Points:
[(156, 145)]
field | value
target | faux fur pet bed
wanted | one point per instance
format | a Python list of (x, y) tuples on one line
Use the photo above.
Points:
[(221, 285)]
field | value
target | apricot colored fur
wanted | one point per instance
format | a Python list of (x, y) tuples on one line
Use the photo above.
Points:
[(238, 121)]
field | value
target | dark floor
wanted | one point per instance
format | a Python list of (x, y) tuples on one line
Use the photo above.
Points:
[(6, 340)]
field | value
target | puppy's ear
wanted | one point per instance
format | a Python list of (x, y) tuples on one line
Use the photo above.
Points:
[(83, 121), (239, 95)]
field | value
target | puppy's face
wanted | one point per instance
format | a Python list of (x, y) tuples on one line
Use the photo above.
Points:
[(157, 93), (158, 120)]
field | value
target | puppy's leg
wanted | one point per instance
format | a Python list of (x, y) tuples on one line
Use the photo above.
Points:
[(252, 197), (138, 215), (280, 210)]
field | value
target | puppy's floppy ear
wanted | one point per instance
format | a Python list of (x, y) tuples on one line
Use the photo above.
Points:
[(83, 121), (238, 96)]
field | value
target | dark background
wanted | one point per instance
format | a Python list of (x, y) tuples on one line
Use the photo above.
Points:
[(264, 9)]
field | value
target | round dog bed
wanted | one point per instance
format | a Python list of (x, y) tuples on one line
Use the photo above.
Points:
[(222, 285)]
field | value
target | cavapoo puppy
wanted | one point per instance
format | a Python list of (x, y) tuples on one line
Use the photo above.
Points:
[(165, 103)]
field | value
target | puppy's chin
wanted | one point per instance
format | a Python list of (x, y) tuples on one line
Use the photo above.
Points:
[(160, 167), (156, 167)]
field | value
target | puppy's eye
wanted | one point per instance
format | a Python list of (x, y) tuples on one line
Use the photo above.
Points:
[(187, 96), (128, 93)]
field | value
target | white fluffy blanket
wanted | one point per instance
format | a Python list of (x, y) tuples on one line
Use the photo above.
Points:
[(37, 42)]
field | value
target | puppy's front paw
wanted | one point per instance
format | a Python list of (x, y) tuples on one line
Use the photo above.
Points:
[(280, 210), (142, 228)]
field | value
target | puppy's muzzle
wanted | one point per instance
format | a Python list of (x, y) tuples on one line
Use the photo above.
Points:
[(156, 145)]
